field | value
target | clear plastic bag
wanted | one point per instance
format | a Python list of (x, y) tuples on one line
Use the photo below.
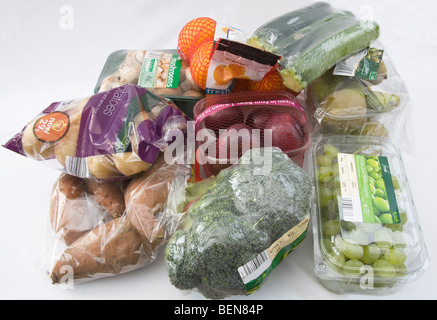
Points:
[(110, 135), (101, 229), (239, 225)]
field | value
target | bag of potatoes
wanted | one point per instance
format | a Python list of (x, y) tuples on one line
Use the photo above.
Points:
[(110, 135), (103, 228)]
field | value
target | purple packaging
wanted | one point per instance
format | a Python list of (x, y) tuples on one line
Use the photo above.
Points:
[(111, 135)]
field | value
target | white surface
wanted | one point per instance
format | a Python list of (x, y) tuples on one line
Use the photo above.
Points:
[(41, 63)]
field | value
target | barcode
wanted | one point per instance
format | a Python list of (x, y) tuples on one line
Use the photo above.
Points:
[(76, 167), (255, 267), (342, 69), (347, 206)]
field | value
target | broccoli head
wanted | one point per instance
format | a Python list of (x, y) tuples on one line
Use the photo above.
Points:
[(239, 215)]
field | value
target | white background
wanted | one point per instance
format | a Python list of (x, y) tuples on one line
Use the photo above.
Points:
[(41, 63)]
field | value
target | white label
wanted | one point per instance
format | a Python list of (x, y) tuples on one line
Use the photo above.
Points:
[(254, 268), (350, 192)]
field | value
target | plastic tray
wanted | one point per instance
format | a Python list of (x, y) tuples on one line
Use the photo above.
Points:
[(255, 109), (372, 119), (116, 58), (361, 253)]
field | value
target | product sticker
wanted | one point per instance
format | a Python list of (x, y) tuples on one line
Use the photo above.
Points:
[(233, 60), (363, 65), (367, 192), (228, 32), (160, 70), (255, 271)]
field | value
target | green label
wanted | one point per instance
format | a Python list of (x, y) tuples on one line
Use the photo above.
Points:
[(364, 189), (258, 269), (369, 65), (160, 70), (367, 192)]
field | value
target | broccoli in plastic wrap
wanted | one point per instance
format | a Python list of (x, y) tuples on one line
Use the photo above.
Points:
[(240, 215)]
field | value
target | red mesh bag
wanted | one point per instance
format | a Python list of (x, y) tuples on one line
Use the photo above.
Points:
[(239, 121)]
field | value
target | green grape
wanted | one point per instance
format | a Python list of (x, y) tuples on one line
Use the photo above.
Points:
[(324, 161), (331, 228), (371, 253), (369, 168), (404, 217), (379, 184), (356, 237), (326, 244), (371, 181), (368, 227), (386, 218), (335, 260), (330, 151), (395, 227), (347, 225), (330, 210), (373, 163), (372, 189), (379, 193), (375, 175), (325, 196), (395, 181), (401, 270), (350, 250), (384, 269), (382, 238), (381, 204), (395, 256), (352, 267), (325, 174)]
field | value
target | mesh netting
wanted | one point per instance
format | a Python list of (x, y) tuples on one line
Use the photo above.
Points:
[(288, 126)]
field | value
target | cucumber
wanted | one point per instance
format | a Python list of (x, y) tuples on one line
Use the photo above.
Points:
[(272, 33), (312, 48), (299, 68)]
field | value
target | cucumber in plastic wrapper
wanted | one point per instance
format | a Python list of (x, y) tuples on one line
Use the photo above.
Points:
[(313, 39)]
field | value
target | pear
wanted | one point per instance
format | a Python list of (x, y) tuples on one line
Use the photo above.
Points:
[(347, 102), (326, 84)]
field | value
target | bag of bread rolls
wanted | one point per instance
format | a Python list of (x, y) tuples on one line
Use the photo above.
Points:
[(101, 229), (114, 134)]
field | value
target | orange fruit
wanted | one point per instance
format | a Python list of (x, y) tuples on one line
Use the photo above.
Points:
[(199, 63), (224, 73), (193, 34), (271, 81)]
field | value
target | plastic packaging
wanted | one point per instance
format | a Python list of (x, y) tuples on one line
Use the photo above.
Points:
[(272, 118), (126, 67), (313, 39), (350, 105), (367, 236), (240, 225), (111, 135), (101, 229)]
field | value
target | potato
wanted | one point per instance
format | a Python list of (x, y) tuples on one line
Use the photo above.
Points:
[(109, 195), (129, 163), (145, 198), (107, 249), (68, 207), (102, 167)]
